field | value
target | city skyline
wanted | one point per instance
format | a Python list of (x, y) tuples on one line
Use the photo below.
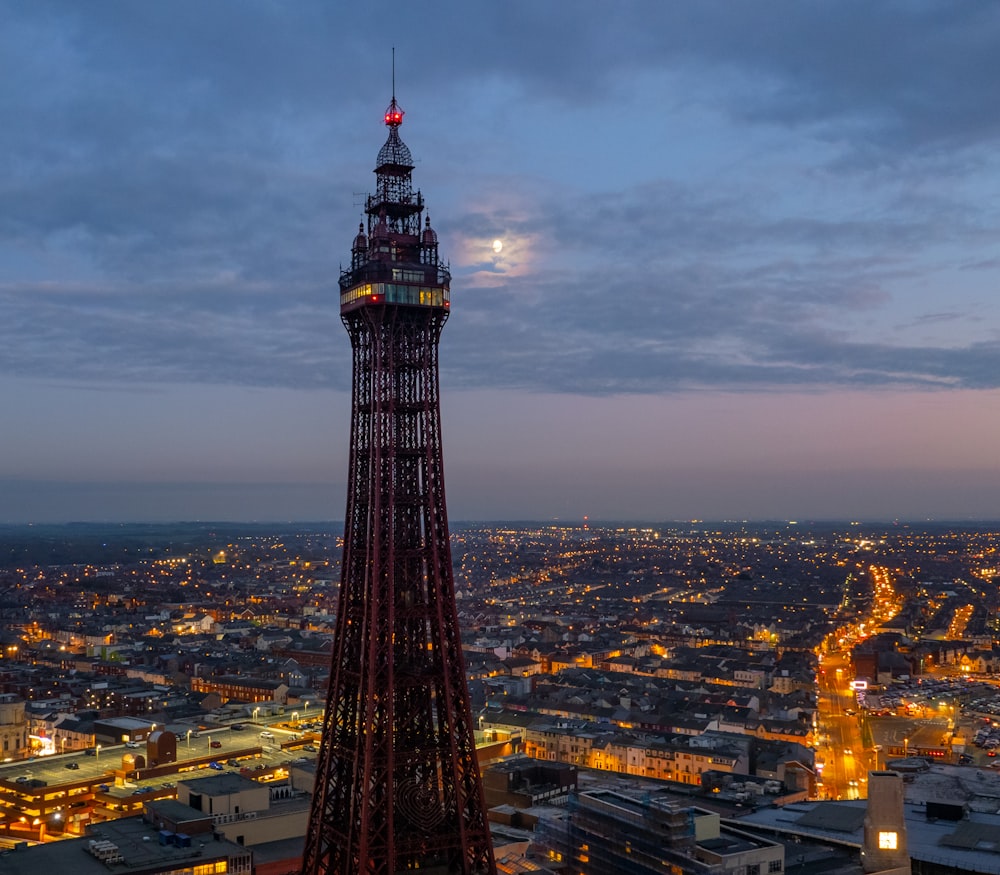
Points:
[(707, 261)]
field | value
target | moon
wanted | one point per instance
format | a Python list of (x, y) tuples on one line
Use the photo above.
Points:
[(497, 246)]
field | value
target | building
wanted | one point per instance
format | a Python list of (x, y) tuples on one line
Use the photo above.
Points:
[(244, 689), (523, 782), (136, 845), (222, 822), (605, 832), (398, 785), (930, 837), (13, 728)]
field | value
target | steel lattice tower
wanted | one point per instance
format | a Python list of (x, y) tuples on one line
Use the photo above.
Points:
[(397, 783)]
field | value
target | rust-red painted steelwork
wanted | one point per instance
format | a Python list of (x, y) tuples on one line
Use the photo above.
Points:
[(397, 783)]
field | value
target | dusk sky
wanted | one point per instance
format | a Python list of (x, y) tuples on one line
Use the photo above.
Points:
[(749, 269)]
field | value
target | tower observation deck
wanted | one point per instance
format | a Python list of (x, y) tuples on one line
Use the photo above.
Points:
[(397, 782), (395, 262)]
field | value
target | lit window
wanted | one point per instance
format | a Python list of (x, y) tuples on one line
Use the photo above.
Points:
[(887, 841)]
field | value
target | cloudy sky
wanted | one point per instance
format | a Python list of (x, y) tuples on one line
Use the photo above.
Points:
[(750, 263)]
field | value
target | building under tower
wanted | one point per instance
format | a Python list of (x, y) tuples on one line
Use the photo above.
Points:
[(397, 784)]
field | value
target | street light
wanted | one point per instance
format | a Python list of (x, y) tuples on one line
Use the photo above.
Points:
[(256, 711), (189, 739), (97, 751), (295, 718)]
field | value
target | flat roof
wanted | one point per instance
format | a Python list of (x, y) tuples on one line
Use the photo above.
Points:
[(137, 842), (971, 845), (219, 784)]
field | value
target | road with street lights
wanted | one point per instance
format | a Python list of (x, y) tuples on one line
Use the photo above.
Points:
[(840, 747)]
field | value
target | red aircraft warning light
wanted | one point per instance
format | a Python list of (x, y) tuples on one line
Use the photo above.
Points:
[(394, 114)]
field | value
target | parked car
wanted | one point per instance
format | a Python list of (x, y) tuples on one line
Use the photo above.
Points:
[(73, 765), (216, 744), (133, 744), (217, 766), (237, 727)]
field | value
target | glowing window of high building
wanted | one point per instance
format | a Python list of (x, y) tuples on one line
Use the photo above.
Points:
[(887, 841)]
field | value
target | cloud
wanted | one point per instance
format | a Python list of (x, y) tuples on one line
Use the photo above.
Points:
[(668, 287), (180, 184)]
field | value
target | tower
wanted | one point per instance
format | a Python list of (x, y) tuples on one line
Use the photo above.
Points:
[(397, 783), (884, 845)]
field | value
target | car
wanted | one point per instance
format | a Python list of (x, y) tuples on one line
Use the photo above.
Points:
[(309, 747), (233, 764), (91, 751), (133, 744), (22, 779), (216, 744), (266, 734), (73, 765), (848, 752), (104, 788), (217, 766), (237, 727), (138, 791)]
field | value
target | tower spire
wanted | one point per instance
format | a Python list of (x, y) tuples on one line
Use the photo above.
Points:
[(394, 114)]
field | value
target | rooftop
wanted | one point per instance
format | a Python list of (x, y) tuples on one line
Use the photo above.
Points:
[(131, 843), (970, 845)]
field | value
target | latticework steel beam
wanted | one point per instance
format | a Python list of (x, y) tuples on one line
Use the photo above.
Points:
[(397, 785)]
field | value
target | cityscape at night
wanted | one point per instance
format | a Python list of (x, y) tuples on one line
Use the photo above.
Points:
[(704, 332), (789, 658)]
